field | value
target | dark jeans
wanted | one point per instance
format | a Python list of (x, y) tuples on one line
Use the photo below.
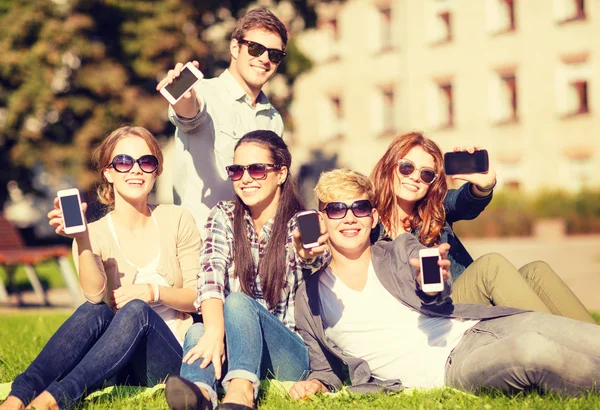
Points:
[(527, 351), (95, 347)]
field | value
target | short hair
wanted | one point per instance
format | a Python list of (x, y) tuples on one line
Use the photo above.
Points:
[(260, 18), (343, 183)]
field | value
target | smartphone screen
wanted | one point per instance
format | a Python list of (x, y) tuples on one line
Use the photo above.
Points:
[(464, 163), (431, 270), (71, 210), (182, 83), (308, 224)]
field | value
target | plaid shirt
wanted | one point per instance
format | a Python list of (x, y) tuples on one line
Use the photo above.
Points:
[(216, 278)]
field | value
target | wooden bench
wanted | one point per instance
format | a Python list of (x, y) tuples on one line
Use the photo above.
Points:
[(14, 253)]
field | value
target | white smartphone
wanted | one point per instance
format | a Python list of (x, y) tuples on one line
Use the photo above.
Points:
[(310, 229), (432, 279), (70, 205), (188, 77)]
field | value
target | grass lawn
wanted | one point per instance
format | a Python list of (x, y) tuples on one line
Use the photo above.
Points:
[(23, 334)]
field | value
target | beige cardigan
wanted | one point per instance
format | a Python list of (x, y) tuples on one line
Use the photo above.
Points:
[(179, 255)]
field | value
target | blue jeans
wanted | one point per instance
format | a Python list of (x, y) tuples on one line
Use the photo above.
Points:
[(258, 346), (527, 351), (95, 346)]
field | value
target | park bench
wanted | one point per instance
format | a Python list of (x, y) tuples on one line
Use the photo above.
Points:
[(14, 253)]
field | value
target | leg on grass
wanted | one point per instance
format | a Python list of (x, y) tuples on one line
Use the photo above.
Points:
[(527, 351), (258, 345)]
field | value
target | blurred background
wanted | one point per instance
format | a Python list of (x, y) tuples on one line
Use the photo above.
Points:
[(520, 78)]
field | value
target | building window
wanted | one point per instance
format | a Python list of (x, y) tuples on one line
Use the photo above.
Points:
[(579, 168), (569, 10), (331, 117), (329, 46), (385, 24), (440, 21), (572, 88), (503, 97), (441, 111), (383, 111), (510, 172), (501, 15)]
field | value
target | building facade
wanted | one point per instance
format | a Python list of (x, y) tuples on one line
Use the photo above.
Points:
[(520, 78)]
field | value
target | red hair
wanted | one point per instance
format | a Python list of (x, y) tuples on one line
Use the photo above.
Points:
[(428, 214)]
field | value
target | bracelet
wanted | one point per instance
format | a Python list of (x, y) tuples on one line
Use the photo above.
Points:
[(490, 189), (156, 292), (151, 292)]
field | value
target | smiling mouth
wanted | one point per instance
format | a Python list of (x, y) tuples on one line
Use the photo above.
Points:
[(350, 232), (136, 182)]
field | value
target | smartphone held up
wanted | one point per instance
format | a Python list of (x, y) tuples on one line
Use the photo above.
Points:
[(188, 77), (70, 205), (462, 162), (310, 229), (432, 278)]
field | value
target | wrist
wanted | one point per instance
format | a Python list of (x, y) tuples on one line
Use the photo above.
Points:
[(487, 190)]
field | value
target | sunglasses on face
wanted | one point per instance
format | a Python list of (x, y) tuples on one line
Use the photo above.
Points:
[(124, 163), (256, 171), (407, 168), (256, 50), (338, 210)]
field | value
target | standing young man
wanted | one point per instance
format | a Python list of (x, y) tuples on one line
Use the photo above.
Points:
[(219, 111), (366, 311)]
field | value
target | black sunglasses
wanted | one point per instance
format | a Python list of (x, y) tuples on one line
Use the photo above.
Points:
[(338, 210), (256, 171), (256, 50), (124, 163), (426, 175)]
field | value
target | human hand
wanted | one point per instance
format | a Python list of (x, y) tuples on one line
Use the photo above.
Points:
[(302, 389), (317, 250), (187, 106), (485, 180), (126, 293), (56, 220), (444, 263), (211, 347)]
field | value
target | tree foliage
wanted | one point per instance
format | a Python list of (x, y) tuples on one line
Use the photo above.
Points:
[(73, 70)]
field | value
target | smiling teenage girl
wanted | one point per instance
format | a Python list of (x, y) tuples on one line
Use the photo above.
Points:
[(137, 268), (247, 284), (412, 196)]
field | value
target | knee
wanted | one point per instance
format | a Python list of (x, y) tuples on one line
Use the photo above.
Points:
[(194, 333), (537, 270), (98, 311), (238, 301), (533, 352), (135, 308)]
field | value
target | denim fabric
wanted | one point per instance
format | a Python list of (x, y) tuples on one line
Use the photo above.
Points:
[(259, 345), (203, 378), (92, 347), (528, 351)]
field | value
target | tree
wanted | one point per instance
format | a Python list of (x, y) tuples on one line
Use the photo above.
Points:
[(73, 70)]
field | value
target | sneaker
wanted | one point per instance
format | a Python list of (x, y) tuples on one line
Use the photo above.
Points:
[(182, 394)]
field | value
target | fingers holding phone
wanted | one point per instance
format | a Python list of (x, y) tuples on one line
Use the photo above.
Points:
[(68, 215), (471, 164), (310, 238), (178, 88)]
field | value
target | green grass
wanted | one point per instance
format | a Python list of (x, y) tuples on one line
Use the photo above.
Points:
[(23, 334)]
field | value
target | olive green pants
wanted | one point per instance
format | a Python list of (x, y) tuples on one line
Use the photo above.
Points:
[(493, 280)]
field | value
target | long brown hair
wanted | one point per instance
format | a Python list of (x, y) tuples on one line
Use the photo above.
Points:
[(272, 266), (103, 157), (428, 214)]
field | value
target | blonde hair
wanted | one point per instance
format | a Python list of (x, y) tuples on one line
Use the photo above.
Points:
[(103, 158), (343, 183)]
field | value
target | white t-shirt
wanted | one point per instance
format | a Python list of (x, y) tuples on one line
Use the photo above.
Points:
[(395, 340)]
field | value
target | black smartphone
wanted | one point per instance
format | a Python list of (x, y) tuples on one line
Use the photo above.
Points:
[(464, 163), (309, 227)]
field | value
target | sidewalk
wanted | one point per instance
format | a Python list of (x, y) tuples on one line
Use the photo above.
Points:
[(576, 259)]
